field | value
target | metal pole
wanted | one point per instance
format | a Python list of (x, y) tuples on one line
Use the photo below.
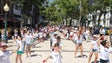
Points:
[(5, 37)]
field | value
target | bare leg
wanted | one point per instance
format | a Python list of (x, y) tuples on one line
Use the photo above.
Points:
[(30, 50), (17, 58), (76, 49), (81, 50), (96, 57), (26, 50), (20, 58), (90, 56)]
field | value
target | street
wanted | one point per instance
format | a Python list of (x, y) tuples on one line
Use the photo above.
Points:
[(42, 50)]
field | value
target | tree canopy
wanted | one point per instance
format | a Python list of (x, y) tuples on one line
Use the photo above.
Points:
[(60, 10)]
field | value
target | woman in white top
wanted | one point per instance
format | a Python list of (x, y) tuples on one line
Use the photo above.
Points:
[(79, 43), (55, 55), (94, 49), (104, 51)]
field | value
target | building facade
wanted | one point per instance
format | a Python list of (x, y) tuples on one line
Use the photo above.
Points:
[(13, 15)]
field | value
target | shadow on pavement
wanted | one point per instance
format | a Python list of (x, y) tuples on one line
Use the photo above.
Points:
[(96, 62), (37, 46), (84, 56), (33, 55)]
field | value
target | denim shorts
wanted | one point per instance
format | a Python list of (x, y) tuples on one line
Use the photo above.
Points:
[(94, 50), (78, 43)]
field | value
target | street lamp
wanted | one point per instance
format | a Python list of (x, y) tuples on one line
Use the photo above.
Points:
[(6, 9)]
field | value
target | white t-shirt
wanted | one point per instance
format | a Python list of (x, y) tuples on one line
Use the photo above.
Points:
[(21, 44), (36, 35), (4, 57), (54, 40), (71, 33), (95, 45), (40, 34), (56, 57), (65, 31), (28, 39), (104, 52), (60, 44), (75, 37), (102, 31), (87, 32), (80, 39)]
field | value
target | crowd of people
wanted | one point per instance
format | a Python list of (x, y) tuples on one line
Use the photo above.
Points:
[(27, 37)]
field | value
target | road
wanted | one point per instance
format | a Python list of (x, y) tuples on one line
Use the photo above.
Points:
[(42, 50)]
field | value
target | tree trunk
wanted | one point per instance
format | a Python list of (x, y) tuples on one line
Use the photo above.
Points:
[(104, 19), (99, 18), (70, 23), (94, 18), (66, 21)]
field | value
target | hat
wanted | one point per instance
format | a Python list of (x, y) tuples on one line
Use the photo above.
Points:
[(95, 36), (3, 44)]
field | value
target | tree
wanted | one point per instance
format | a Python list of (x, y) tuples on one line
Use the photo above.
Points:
[(77, 9)]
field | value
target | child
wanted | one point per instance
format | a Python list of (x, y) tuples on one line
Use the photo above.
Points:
[(59, 42), (55, 55), (28, 42), (4, 54), (20, 48), (53, 41)]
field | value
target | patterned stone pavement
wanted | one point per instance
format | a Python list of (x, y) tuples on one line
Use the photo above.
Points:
[(42, 50)]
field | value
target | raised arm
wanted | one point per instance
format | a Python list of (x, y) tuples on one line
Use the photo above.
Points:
[(45, 60), (98, 41)]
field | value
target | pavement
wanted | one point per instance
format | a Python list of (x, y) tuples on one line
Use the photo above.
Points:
[(42, 50)]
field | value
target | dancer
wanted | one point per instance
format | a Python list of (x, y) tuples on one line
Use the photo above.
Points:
[(4, 53), (79, 43), (28, 42), (20, 48), (104, 51), (55, 55), (94, 49)]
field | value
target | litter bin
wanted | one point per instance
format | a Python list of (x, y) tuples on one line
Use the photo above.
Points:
[(111, 39)]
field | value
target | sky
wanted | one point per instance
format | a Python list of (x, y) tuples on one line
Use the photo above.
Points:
[(50, 0)]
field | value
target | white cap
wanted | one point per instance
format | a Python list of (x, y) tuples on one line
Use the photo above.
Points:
[(3, 44), (95, 36)]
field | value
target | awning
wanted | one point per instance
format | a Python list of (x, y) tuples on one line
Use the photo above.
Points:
[(10, 19)]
